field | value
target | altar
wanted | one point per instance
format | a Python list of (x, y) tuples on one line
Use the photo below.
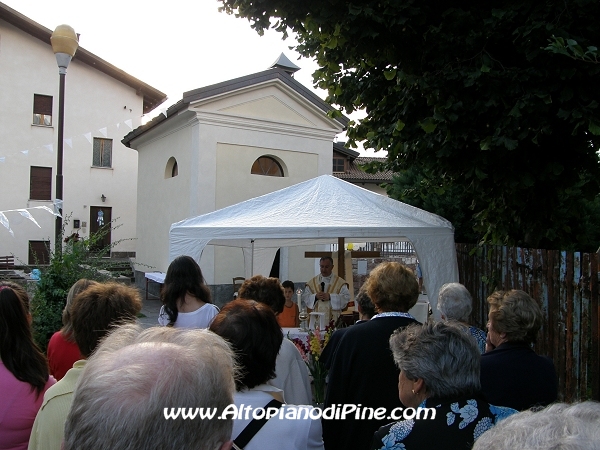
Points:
[(156, 277), (295, 333), (420, 312)]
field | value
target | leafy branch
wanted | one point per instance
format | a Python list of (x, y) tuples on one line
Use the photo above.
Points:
[(571, 49)]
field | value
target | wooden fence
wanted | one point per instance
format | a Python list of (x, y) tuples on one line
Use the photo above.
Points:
[(566, 286)]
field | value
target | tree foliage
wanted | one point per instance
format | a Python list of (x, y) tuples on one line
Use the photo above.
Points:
[(465, 93), (570, 48), (447, 199), (442, 198), (79, 258)]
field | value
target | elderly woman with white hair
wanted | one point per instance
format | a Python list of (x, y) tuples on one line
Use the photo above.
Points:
[(439, 370), (455, 303), (560, 426)]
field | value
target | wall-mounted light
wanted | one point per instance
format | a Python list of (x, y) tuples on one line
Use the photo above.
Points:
[(103, 198)]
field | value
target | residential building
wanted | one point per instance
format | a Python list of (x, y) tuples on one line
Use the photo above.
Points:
[(102, 104), (348, 165)]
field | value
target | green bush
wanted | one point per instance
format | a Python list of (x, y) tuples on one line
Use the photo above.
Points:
[(79, 258)]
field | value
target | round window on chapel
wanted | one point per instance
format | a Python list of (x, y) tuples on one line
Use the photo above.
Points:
[(266, 165)]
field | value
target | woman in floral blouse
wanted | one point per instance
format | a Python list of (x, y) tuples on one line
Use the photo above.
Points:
[(439, 366)]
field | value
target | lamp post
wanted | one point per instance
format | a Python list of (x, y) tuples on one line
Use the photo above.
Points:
[(64, 44)]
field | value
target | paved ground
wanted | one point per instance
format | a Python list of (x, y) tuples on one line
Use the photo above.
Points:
[(150, 309)]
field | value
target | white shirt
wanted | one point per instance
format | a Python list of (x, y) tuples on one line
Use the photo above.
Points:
[(292, 375), (201, 318), (278, 432)]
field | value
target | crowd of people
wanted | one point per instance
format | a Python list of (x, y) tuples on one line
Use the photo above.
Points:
[(196, 381)]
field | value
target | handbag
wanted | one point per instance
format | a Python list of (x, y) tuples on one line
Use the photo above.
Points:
[(253, 427)]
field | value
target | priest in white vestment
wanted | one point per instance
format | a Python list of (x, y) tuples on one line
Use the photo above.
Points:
[(327, 292)]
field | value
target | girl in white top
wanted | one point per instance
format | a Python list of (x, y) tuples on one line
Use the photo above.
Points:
[(185, 296)]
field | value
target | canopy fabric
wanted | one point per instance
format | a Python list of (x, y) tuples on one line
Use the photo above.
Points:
[(319, 211)]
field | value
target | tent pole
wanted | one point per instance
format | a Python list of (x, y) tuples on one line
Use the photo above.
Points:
[(252, 259), (341, 262)]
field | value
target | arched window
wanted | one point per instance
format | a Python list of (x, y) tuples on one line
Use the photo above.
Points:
[(267, 165), (171, 170)]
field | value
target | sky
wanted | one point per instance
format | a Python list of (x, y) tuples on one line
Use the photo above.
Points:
[(174, 46)]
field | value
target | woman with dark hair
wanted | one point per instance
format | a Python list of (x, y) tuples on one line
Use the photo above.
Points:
[(185, 296), (252, 331), (292, 375), (62, 348), (23, 369)]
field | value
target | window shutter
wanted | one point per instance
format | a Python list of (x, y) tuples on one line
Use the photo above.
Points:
[(42, 104), (107, 153), (39, 252), (97, 152), (40, 183), (102, 153)]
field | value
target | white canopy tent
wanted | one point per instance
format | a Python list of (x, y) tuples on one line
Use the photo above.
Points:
[(319, 211)]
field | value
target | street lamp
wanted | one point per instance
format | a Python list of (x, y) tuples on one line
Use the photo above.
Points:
[(64, 44)]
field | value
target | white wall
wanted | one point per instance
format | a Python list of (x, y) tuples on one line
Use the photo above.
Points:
[(93, 101), (162, 201), (220, 145), (235, 183)]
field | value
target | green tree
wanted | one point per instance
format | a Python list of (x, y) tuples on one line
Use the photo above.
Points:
[(465, 92), (79, 258), (444, 198), (448, 199)]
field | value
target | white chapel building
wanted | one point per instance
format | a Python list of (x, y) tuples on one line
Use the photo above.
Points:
[(223, 144)]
